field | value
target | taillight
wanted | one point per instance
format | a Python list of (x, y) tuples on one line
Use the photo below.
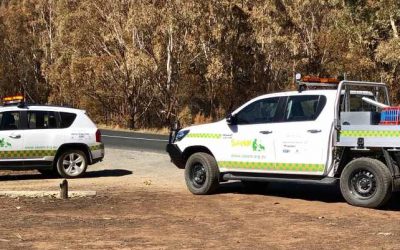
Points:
[(98, 136)]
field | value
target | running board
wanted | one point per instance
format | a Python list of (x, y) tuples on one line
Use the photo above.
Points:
[(282, 178)]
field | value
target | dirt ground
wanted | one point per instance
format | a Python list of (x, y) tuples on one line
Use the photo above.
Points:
[(142, 202)]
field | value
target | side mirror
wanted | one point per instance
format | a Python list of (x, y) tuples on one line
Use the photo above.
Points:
[(231, 119), (176, 126)]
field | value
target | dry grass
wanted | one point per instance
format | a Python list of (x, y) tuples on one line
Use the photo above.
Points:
[(185, 120), (202, 119)]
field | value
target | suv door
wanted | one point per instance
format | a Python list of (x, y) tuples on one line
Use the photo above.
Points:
[(302, 140), (42, 136), (11, 139), (252, 145)]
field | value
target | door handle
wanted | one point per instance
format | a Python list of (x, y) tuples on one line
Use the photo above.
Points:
[(15, 136), (314, 131), (265, 132)]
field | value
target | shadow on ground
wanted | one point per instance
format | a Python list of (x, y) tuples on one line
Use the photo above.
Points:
[(308, 192), (33, 175)]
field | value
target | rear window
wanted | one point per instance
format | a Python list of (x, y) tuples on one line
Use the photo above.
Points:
[(42, 120), (357, 104), (67, 119), (304, 108)]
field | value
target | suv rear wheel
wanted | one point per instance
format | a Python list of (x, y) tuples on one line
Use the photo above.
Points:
[(72, 164), (366, 182), (201, 174)]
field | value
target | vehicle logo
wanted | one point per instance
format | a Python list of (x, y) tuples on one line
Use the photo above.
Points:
[(257, 146), (4, 143)]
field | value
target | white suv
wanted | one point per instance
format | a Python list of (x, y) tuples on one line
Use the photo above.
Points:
[(48, 138)]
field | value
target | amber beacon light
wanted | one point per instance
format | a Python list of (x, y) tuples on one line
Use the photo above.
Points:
[(13, 99)]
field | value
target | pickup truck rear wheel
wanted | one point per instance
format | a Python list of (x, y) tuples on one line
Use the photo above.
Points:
[(201, 174), (366, 182)]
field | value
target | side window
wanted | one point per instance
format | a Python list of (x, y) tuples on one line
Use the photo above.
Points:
[(10, 120), (357, 104), (304, 108), (41, 120), (67, 119), (261, 111)]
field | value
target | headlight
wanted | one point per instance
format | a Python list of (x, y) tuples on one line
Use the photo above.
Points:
[(181, 134)]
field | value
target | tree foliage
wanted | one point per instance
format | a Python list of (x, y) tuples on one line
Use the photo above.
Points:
[(145, 63)]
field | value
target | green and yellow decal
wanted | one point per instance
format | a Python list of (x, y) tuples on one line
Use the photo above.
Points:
[(26, 154), (37, 153), (303, 167), (204, 136), (370, 133)]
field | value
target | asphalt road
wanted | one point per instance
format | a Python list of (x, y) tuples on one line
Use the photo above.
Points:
[(132, 140)]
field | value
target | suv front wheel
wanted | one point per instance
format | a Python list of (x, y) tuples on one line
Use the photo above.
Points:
[(72, 164)]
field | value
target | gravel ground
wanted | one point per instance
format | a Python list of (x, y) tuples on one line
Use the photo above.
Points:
[(142, 202), (120, 170)]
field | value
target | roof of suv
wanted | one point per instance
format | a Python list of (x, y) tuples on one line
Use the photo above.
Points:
[(41, 108)]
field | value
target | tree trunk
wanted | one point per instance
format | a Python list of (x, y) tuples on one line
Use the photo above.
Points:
[(394, 28), (131, 121)]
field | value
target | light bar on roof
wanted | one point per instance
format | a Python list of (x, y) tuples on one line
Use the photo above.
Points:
[(13, 99), (315, 79)]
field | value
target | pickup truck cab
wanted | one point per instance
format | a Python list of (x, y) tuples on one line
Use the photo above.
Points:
[(313, 135)]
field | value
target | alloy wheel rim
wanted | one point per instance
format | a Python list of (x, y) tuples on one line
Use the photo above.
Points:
[(73, 164)]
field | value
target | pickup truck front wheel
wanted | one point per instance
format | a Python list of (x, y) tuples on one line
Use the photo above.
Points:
[(201, 174), (366, 182)]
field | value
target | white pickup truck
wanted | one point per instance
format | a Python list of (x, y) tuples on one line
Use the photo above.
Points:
[(313, 135)]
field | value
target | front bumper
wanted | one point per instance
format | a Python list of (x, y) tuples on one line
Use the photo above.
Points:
[(176, 155)]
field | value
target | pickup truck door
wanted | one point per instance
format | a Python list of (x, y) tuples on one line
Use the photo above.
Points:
[(252, 145), (302, 140)]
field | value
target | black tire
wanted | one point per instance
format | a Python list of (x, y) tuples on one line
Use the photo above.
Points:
[(201, 174), (255, 186), (366, 182), (65, 170)]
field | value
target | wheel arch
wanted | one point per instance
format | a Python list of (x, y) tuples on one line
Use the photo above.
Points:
[(380, 154), (195, 149), (77, 146)]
